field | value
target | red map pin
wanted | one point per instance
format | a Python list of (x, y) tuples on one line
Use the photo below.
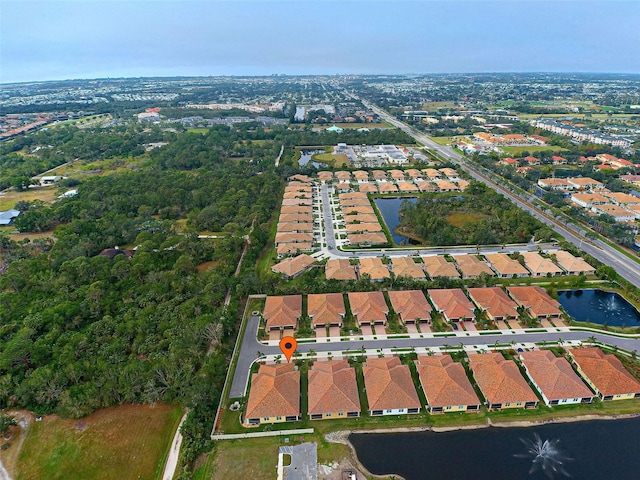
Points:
[(288, 345)]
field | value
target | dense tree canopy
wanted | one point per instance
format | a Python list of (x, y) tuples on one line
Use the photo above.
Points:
[(478, 216)]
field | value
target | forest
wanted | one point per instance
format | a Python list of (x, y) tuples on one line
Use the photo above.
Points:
[(479, 216)]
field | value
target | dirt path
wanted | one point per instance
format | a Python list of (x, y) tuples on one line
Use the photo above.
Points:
[(174, 453), (4, 475)]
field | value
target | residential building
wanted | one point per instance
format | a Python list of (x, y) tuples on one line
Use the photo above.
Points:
[(573, 265), (505, 266), (389, 387), (406, 267), (588, 200), (325, 309), (368, 239), (585, 183), (540, 266), (294, 267), (411, 306), (282, 312), (561, 184), (340, 269), (622, 199), (446, 385), (452, 303), (437, 266), (536, 300), (368, 308), (333, 391), (619, 214), (374, 267), (472, 267), (497, 304), (605, 374), (7, 217), (274, 396), (500, 382), (554, 378)]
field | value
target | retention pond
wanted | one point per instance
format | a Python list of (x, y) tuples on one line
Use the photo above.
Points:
[(598, 306), (601, 449)]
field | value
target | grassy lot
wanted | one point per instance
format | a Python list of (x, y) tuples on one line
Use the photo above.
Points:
[(331, 159), (128, 441), (597, 116), (458, 219), (443, 140), (434, 106), (9, 199), (364, 125), (198, 130), (532, 148), (17, 237)]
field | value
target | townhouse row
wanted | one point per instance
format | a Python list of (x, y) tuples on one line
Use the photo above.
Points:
[(328, 310), (466, 267), (333, 390)]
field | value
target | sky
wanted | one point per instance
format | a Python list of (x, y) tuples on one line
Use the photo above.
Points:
[(53, 40)]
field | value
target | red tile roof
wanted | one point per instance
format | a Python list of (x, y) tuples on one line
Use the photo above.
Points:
[(452, 302), (494, 301), (554, 375), (410, 305), (368, 307), (275, 392), (389, 384), (282, 311), (333, 388), (500, 380), (536, 300), (445, 382), (605, 371), (325, 308)]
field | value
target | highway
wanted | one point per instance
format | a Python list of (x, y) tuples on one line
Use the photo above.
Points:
[(626, 268)]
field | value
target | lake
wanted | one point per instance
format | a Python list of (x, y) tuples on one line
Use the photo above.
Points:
[(389, 208), (600, 449), (600, 307)]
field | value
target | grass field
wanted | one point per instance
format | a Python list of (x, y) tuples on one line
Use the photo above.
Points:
[(434, 106), (458, 219), (330, 159), (532, 148), (128, 441), (364, 125), (22, 236), (9, 199)]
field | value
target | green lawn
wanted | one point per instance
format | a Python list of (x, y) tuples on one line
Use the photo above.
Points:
[(128, 441), (532, 149), (458, 219)]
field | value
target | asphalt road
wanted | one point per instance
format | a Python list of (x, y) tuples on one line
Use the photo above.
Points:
[(251, 348), (626, 268)]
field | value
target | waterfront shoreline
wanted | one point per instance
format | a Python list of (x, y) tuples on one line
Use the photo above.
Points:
[(342, 436)]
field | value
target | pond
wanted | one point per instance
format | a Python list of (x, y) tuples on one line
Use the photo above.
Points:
[(600, 307), (598, 449), (305, 158), (389, 208)]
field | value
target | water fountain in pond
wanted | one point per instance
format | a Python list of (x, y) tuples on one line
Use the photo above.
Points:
[(610, 304), (546, 457)]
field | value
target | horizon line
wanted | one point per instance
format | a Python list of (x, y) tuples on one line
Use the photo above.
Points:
[(270, 75)]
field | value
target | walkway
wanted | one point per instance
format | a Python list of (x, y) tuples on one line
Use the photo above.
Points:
[(174, 453)]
